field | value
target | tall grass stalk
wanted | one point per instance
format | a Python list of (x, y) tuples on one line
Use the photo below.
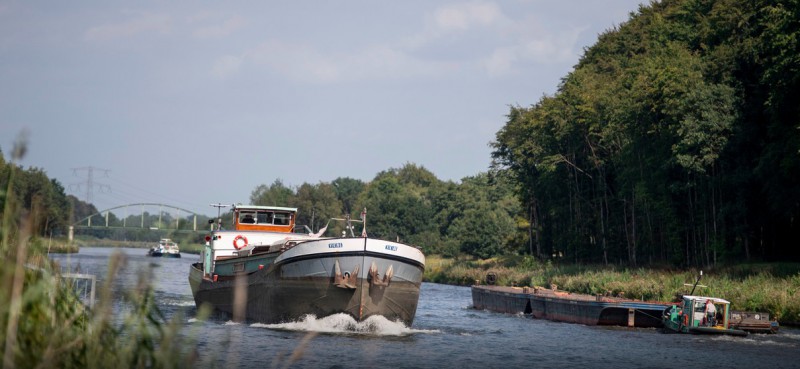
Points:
[(44, 324)]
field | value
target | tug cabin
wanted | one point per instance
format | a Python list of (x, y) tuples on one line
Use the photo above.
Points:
[(695, 312)]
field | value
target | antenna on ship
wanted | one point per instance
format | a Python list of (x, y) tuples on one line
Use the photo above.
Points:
[(696, 283), (219, 207), (364, 219)]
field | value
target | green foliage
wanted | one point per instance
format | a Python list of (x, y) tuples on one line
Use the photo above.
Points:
[(42, 321), (480, 216), (319, 203), (52, 327), (675, 139), (276, 194), (395, 210), (30, 189), (347, 191), (749, 287)]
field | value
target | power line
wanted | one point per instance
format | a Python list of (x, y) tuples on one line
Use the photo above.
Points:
[(90, 183)]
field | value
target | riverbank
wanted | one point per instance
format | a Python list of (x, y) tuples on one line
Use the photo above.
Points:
[(185, 248), (768, 287), (55, 246)]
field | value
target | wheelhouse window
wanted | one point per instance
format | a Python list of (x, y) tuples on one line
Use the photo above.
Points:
[(282, 218), (264, 217), (247, 217)]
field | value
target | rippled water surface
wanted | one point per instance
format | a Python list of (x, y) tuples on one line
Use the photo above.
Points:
[(446, 333)]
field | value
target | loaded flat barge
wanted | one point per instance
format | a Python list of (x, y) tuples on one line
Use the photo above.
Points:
[(543, 303)]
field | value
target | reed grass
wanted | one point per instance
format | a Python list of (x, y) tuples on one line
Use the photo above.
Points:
[(44, 324), (763, 287)]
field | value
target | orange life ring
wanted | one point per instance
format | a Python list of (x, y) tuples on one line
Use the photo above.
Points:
[(236, 242)]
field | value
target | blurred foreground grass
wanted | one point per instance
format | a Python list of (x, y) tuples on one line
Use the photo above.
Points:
[(44, 324)]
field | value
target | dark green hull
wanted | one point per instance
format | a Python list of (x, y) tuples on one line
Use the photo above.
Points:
[(672, 326)]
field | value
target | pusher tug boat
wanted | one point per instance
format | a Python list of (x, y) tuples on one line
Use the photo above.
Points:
[(700, 315), (263, 271)]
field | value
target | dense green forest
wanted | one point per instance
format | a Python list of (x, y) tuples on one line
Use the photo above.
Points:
[(675, 140), (30, 192), (479, 216)]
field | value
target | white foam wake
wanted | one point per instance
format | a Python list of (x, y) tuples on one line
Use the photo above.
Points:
[(346, 324)]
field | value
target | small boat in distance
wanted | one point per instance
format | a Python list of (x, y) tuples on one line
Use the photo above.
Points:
[(262, 270), (165, 248)]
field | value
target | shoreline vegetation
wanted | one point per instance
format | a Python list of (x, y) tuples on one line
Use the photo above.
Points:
[(667, 143), (44, 322), (763, 287)]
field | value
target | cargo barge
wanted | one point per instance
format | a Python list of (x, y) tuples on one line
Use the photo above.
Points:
[(543, 303)]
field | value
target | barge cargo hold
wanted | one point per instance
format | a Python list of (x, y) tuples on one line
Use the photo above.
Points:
[(560, 306)]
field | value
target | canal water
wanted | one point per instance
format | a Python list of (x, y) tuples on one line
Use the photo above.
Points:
[(447, 333)]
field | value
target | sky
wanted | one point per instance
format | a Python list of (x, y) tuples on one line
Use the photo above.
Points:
[(192, 103)]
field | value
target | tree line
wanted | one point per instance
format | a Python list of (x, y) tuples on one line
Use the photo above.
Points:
[(479, 216), (675, 139), (47, 211)]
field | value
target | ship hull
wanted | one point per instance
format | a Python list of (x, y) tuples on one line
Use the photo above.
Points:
[(358, 277), (572, 308)]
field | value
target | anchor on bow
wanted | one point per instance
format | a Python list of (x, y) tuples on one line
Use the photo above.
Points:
[(374, 277), (347, 280)]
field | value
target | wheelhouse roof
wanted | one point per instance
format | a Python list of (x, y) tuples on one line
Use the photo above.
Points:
[(713, 299), (261, 207)]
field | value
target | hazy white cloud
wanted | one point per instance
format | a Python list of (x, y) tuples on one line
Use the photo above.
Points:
[(449, 26), (530, 41), (501, 61), (143, 23), (419, 67), (226, 65), (519, 40), (226, 28), (303, 63), (385, 62), (296, 62), (465, 16)]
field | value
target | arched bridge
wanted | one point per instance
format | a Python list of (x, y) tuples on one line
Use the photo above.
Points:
[(168, 217)]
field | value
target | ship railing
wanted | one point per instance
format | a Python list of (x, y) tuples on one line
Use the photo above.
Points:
[(84, 286)]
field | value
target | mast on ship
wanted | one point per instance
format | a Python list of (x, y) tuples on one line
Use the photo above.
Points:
[(219, 207)]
